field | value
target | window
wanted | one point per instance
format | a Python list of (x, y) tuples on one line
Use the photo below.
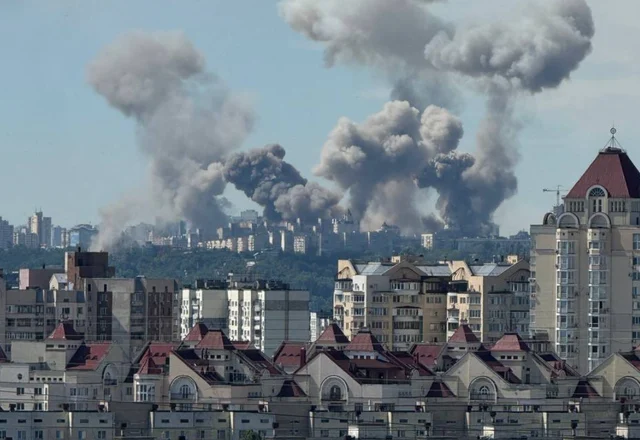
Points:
[(38, 434), (185, 392), (636, 242), (335, 393), (221, 434), (596, 192), (19, 391), (102, 435), (324, 433)]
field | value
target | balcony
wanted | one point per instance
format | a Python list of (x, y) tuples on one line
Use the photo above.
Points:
[(482, 397), (183, 396)]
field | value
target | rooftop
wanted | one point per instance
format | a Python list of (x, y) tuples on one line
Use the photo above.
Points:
[(612, 169)]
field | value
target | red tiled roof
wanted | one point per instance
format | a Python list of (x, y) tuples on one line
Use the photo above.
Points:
[(406, 359), (148, 366), (427, 354), (364, 341), (65, 330), (613, 170), (464, 334), (291, 389), (89, 356), (216, 340), (510, 342), (259, 361), (439, 389), (154, 357), (241, 345), (632, 358), (367, 370), (501, 370), (288, 354), (333, 335), (585, 390), (196, 333)]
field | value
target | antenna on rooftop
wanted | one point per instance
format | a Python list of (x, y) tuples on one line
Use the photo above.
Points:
[(612, 144)]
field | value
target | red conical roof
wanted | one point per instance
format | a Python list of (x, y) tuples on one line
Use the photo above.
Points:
[(333, 334), (197, 332), (613, 170), (364, 341), (464, 334)]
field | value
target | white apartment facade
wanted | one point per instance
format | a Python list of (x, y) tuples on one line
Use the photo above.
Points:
[(585, 264), (267, 314), (207, 303)]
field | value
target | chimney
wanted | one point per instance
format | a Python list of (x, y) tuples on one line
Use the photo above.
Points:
[(303, 357)]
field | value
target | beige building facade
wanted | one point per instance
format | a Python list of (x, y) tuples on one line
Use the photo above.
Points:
[(405, 301), (585, 283)]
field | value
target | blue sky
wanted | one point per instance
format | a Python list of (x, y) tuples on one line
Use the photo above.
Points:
[(66, 151)]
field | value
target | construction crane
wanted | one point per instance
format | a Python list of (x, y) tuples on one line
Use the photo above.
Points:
[(558, 190)]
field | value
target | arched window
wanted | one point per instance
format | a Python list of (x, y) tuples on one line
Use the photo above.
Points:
[(335, 393), (484, 390), (596, 192), (185, 392)]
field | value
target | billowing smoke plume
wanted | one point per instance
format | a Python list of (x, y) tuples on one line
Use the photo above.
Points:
[(375, 160), (414, 49), (187, 122), (265, 177), (389, 36)]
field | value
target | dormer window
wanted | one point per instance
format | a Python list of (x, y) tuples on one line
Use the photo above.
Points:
[(597, 195)]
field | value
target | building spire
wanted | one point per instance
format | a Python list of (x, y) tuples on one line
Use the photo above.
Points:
[(612, 145)]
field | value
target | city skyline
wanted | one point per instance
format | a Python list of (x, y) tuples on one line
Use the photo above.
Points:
[(549, 130)]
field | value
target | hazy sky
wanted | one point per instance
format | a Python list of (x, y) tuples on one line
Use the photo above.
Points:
[(66, 151)]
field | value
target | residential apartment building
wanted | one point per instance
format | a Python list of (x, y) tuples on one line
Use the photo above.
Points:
[(402, 302), (40, 225), (585, 283), (79, 265), (6, 234), (318, 321), (38, 278), (267, 313), (32, 314), (206, 302), (405, 301), (492, 299), (131, 311)]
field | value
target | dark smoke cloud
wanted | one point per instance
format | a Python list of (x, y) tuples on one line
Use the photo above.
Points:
[(267, 179), (187, 122), (376, 159), (421, 55)]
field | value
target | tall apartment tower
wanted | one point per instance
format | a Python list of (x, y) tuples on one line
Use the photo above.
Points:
[(585, 264), (265, 314), (40, 225)]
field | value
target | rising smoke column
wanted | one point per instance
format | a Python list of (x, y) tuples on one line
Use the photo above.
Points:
[(187, 121), (422, 56), (267, 179), (376, 160), (388, 36)]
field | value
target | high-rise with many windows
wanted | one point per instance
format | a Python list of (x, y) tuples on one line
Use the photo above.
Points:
[(585, 264)]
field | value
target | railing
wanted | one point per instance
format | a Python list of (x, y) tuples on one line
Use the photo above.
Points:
[(183, 396), (482, 396)]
